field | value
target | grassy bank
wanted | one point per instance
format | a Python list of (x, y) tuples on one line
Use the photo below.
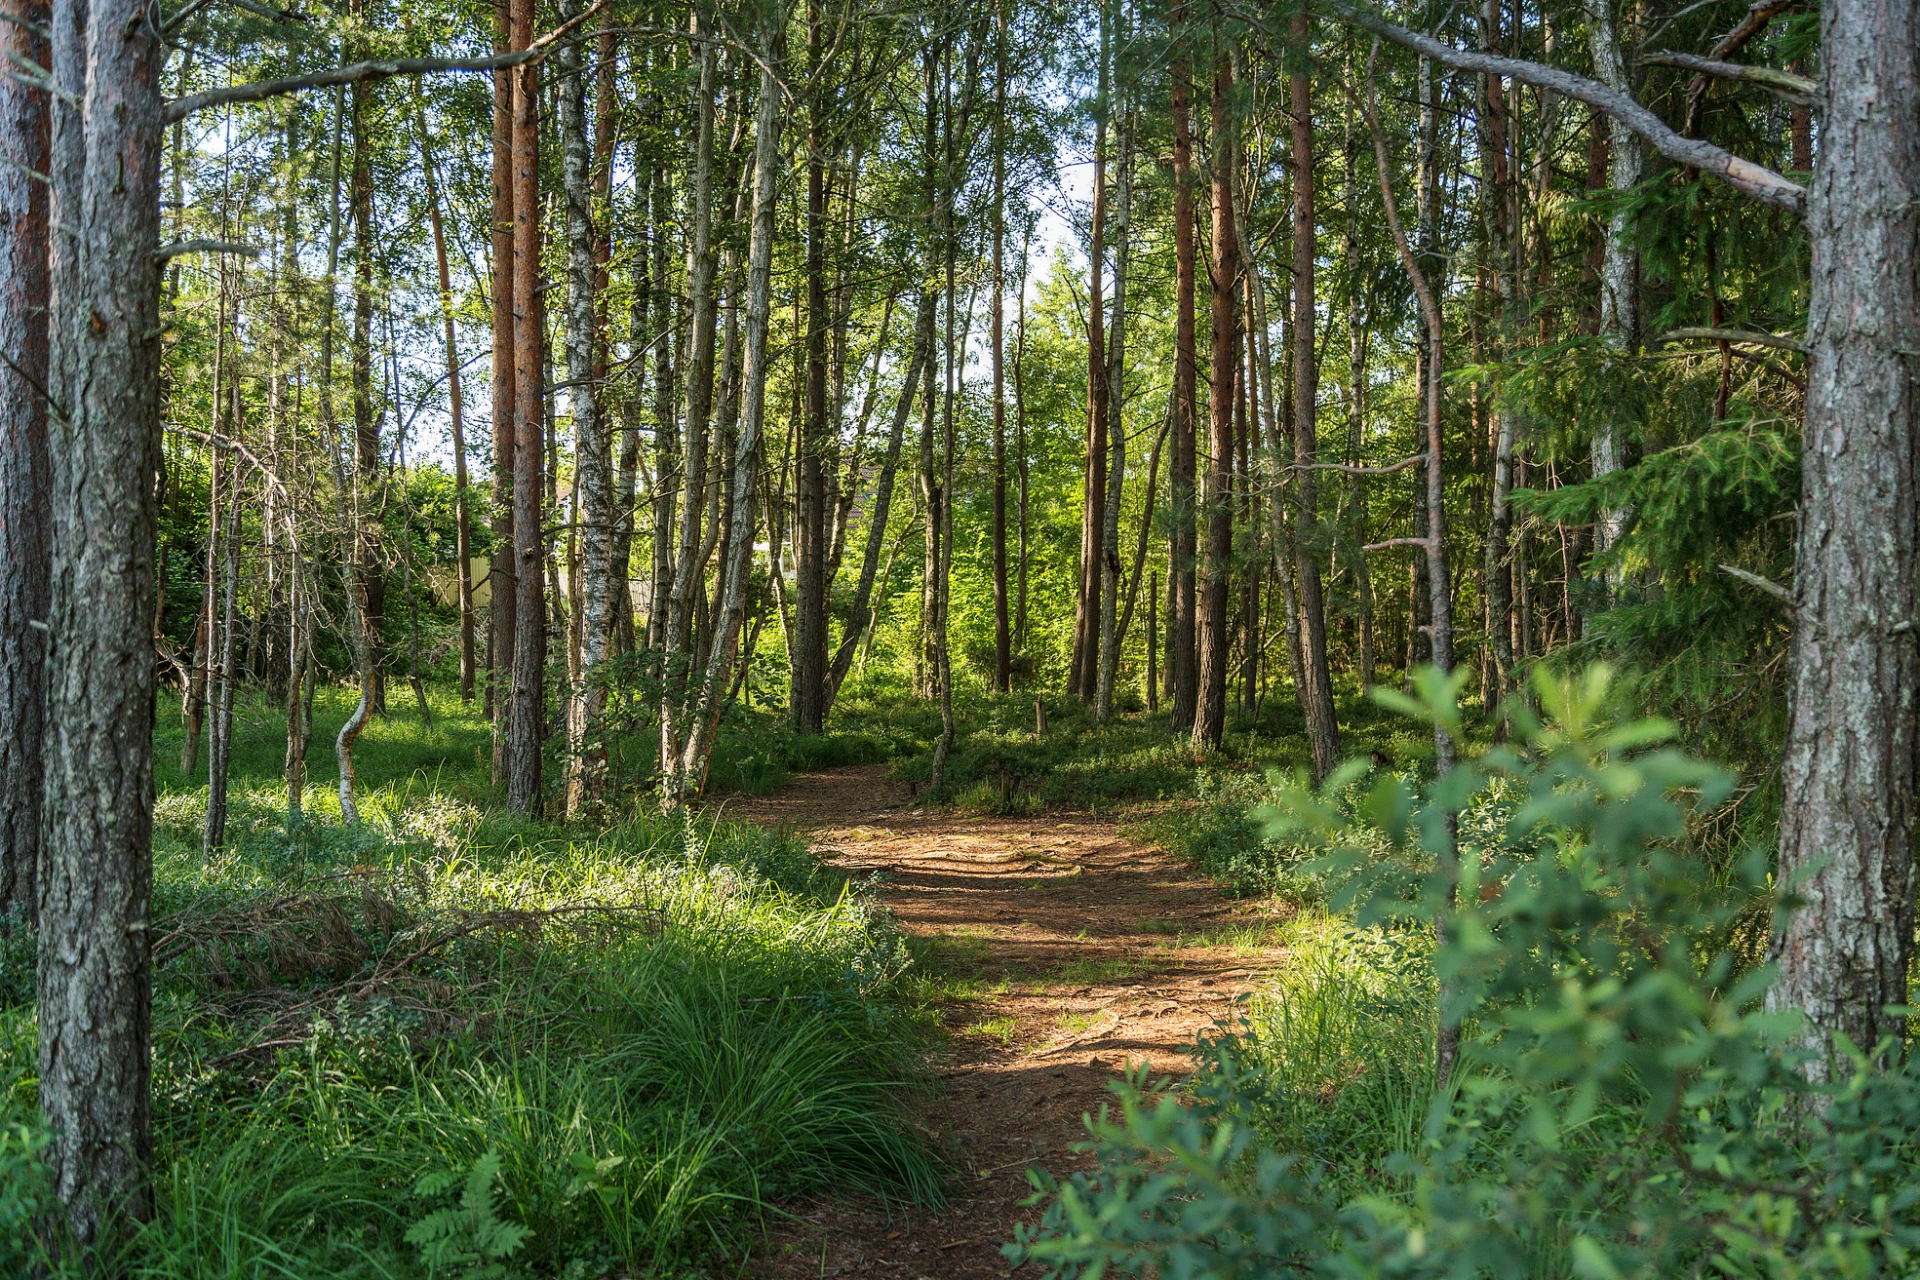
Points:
[(450, 1038)]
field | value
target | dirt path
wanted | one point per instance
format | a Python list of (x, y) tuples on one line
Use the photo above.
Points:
[(1074, 955)]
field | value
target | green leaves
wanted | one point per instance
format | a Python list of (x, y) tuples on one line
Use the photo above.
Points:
[(1622, 1107), (466, 1239)]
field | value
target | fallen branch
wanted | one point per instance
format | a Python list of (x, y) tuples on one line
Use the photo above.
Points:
[(1753, 337), (1767, 585)]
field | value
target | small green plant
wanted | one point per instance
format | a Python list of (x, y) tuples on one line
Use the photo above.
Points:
[(465, 1239), (1622, 1105)]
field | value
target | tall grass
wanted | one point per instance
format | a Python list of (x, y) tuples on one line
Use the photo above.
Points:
[(381, 1050)]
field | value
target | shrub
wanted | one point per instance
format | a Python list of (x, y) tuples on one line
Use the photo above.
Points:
[(1622, 1105)]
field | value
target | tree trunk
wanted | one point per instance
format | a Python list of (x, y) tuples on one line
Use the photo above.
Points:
[(366, 419), (24, 515), (462, 536), (1117, 435), (1183, 664), (807, 698), (1083, 674), (502, 573), (1847, 824), (1323, 731), (220, 739), (692, 763), (526, 713), (1216, 569), (1619, 263), (592, 456), (1002, 629), (95, 874)]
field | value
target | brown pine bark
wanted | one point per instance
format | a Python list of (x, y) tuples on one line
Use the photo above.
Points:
[(1323, 731), (1216, 567), (24, 547), (1183, 664), (1093, 520), (526, 711), (1847, 808), (502, 588), (95, 877)]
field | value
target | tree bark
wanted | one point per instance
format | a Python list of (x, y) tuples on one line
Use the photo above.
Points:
[(1002, 629), (1183, 664), (807, 697), (366, 416), (456, 407), (1619, 263), (526, 712), (95, 875), (502, 574), (1847, 822), (1323, 731), (24, 465), (1216, 569), (1117, 435), (1083, 675), (592, 455)]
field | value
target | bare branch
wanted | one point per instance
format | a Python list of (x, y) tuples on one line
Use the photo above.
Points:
[(1345, 469), (1767, 585), (362, 72), (1797, 89), (1396, 542), (174, 248), (1731, 335), (1756, 180)]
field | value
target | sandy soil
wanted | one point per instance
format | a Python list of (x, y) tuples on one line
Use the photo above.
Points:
[(1083, 955)]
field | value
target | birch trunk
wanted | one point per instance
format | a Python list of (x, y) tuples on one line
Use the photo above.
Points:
[(1619, 265)]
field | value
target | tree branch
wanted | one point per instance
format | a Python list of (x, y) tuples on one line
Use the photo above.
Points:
[(1797, 89), (1731, 335), (361, 72), (1756, 180), (1767, 585), (1396, 542), (174, 248), (1346, 469)]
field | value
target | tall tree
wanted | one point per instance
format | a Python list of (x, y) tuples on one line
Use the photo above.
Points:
[(1182, 665), (527, 707), (1323, 731), (1002, 630), (1216, 567), (96, 871), (24, 514)]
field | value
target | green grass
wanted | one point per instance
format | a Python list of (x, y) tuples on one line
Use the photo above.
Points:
[(640, 1039)]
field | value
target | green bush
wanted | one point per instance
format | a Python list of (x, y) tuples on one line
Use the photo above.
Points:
[(1622, 1105)]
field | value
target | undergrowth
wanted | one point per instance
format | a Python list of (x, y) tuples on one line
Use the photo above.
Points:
[(451, 1042)]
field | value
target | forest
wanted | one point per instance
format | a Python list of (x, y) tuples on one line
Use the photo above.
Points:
[(1178, 638)]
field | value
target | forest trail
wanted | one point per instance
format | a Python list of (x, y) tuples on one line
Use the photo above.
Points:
[(1073, 953)]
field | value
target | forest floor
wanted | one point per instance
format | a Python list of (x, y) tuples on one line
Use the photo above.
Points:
[(1064, 955)]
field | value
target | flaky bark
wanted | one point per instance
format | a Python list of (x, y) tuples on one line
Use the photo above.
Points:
[(24, 547), (96, 877), (502, 591), (1323, 731), (527, 707), (1847, 824), (1216, 568)]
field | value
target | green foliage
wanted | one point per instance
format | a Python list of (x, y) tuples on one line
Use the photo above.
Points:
[(465, 1238), (648, 1034), (1623, 1105)]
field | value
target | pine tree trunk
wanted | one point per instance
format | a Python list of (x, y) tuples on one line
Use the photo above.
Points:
[(1216, 569), (95, 873), (1117, 434), (502, 573), (1182, 665), (1002, 629), (807, 698), (24, 465), (527, 708), (366, 419), (1323, 731), (1083, 674), (1847, 805)]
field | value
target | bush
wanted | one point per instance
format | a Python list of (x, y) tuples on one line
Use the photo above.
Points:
[(1622, 1105)]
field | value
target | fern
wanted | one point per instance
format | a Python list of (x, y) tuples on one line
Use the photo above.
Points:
[(466, 1239)]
